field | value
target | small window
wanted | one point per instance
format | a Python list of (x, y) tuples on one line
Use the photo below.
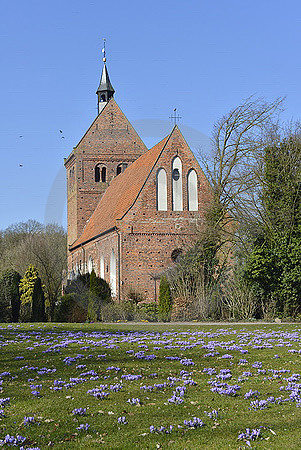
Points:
[(97, 174), (100, 174), (175, 255), (175, 174), (104, 174), (121, 168)]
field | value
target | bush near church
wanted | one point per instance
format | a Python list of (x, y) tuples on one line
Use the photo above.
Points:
[(68, 309), (148, 311), (83, 299), (99, 295)]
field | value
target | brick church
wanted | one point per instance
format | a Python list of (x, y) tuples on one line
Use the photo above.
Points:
[(131, 211)]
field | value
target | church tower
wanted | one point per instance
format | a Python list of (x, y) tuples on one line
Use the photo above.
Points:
[(106, 149)]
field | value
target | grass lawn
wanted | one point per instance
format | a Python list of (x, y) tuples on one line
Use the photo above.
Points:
[(149, 386)]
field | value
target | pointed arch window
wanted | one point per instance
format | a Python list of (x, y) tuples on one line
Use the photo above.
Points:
[(192, 190), (90, 264), (177, 195), (102, 267), (161, 190), (113, 278)]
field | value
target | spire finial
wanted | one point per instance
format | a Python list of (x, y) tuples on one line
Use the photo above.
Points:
[(104, 50), (105, 89), (175, 117)]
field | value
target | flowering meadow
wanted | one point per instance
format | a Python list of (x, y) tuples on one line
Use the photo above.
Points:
[(122, 386)]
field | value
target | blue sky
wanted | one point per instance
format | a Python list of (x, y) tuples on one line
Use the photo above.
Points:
[(202, 57)]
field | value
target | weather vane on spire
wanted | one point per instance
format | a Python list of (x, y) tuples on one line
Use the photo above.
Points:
[(175, 117), (104, 50)]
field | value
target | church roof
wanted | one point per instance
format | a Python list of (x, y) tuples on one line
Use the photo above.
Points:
[(121, 195)]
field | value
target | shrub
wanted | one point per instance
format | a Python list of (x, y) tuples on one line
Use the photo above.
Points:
[(9, 296), (99, 294), (78, 286), (165, 304), (148, 311), (239, 301), (123, 311), (69, 309), (135, 296)]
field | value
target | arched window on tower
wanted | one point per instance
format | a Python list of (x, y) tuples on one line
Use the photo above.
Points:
[(113, 273), (104, 174), (177, 196), (192, 190), (100, 173), (161, 190), (97, 174)]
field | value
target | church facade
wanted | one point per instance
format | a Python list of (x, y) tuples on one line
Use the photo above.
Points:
[(131, 211)]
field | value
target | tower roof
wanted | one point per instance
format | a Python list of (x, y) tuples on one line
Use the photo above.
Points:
[(105, 83)]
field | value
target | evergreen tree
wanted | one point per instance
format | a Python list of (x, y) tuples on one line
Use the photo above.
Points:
[(32, 298), (165, 303), (9, 296), (274, 265), (38, 302)]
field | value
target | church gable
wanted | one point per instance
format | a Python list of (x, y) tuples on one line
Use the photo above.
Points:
[(111, 134), (175, 189)]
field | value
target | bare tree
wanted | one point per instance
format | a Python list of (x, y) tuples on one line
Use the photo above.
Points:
[(43, 246), (239, 138), (234, 170)]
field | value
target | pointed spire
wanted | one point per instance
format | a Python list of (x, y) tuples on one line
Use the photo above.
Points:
[(105, 89)]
